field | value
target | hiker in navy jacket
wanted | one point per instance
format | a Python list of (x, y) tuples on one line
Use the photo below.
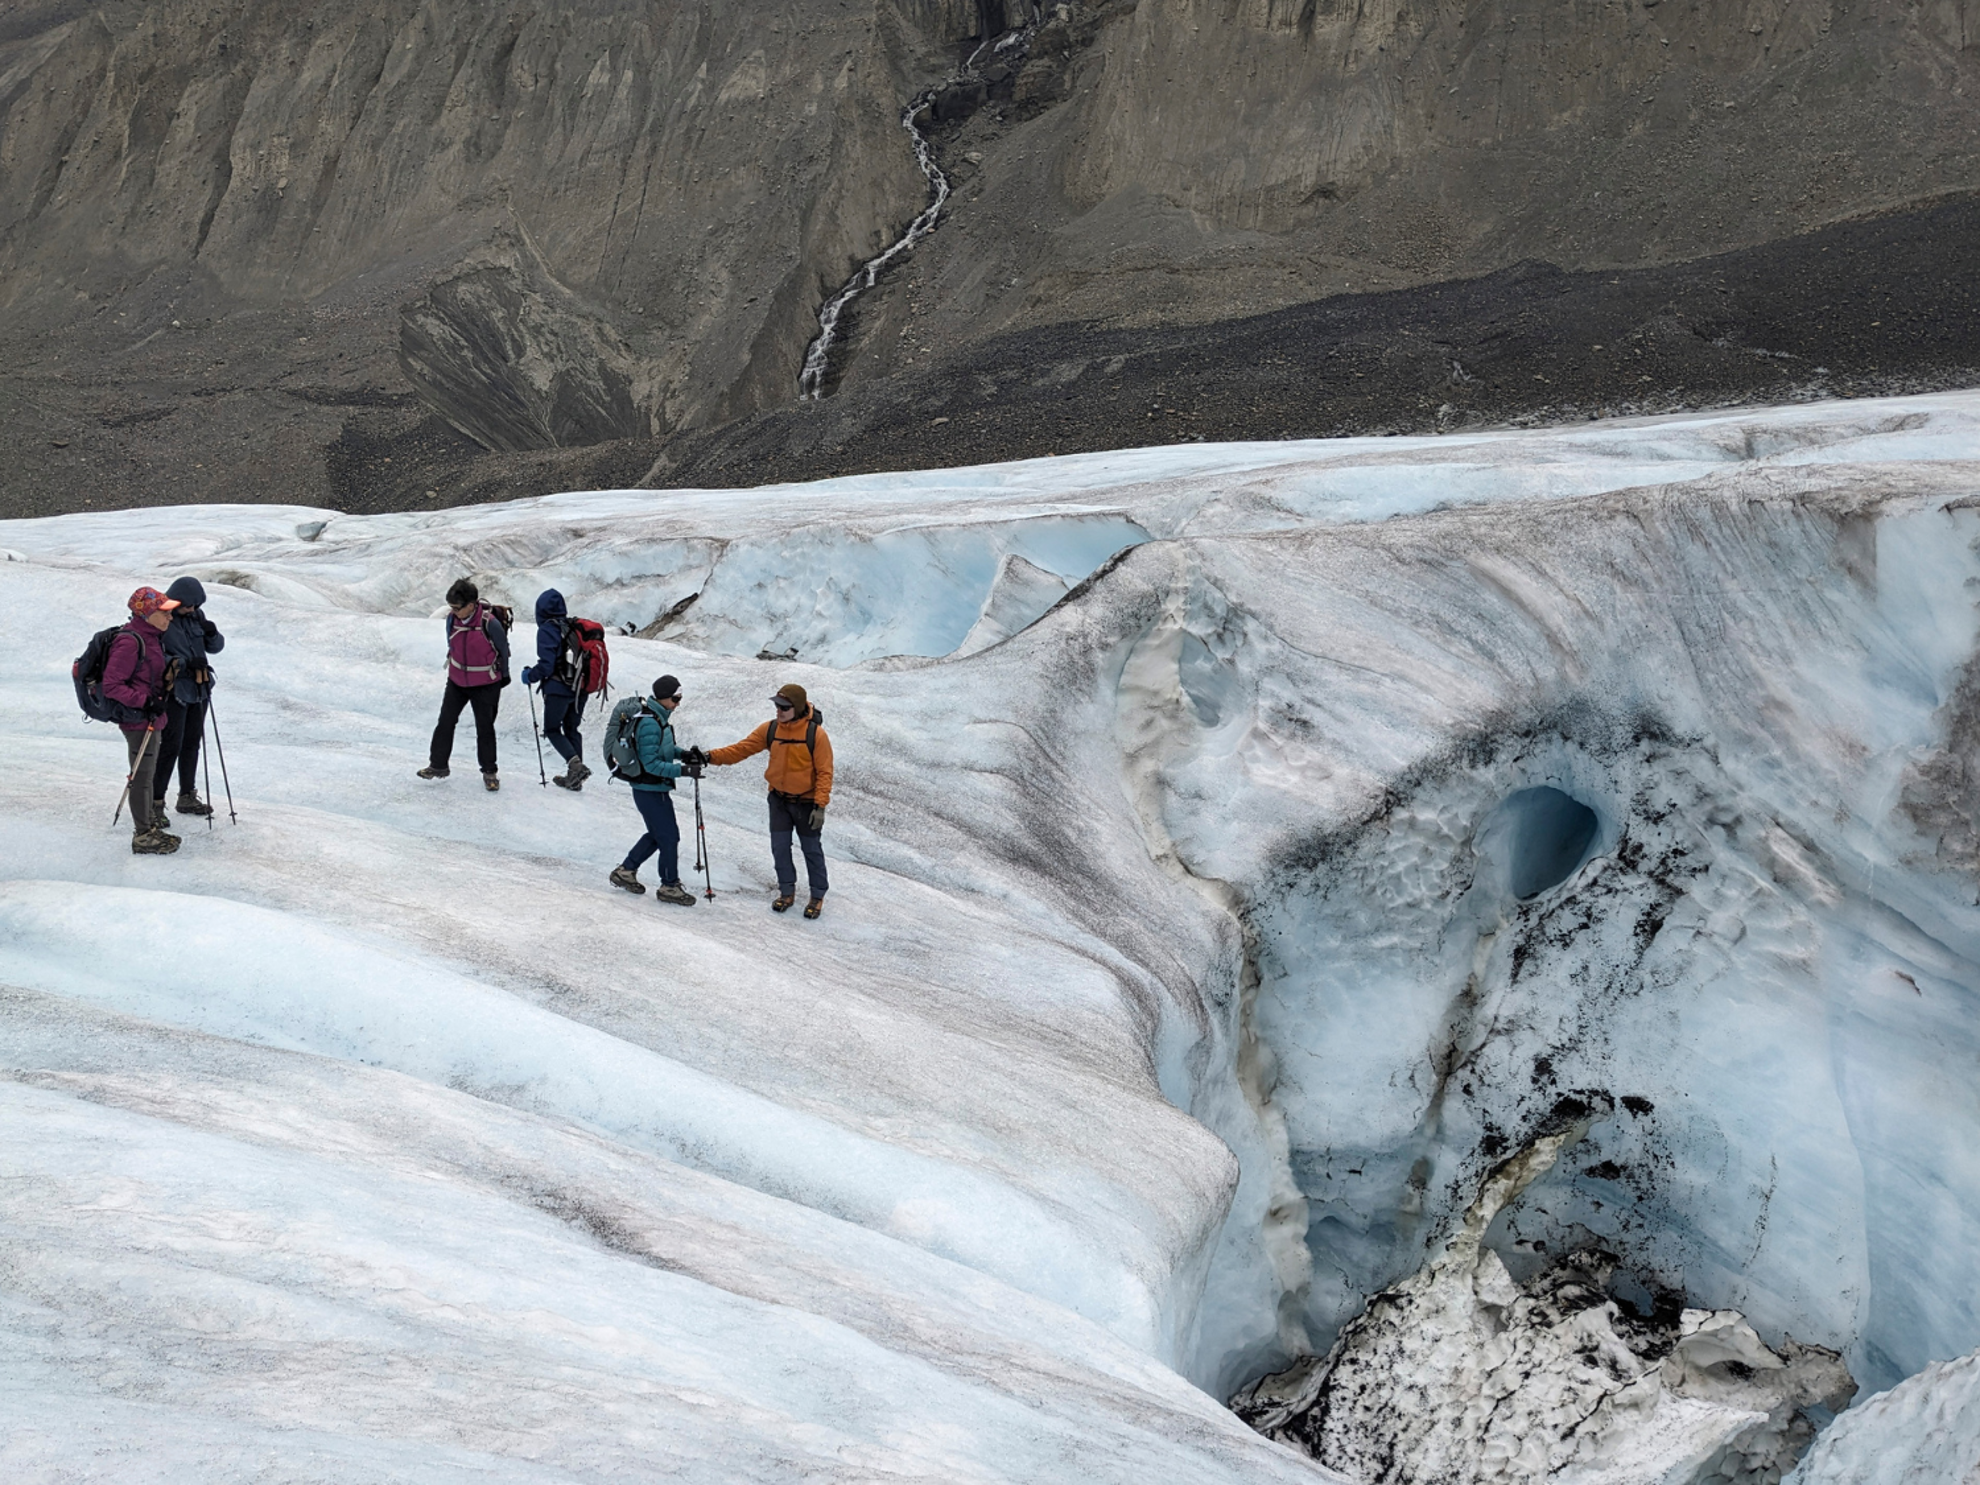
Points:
[(660, 763), (134, 677), (189, 640), (477, 670), (563, 708)]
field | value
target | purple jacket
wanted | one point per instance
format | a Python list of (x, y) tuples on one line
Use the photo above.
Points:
[(477, 648), (134, 674)]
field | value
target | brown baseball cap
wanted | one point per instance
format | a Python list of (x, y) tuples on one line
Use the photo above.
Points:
[(794, 694)]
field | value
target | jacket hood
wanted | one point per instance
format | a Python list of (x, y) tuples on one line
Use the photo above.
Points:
[(549, 606), (187, 591)]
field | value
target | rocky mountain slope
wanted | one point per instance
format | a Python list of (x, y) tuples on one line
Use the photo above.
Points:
[(407, 254)]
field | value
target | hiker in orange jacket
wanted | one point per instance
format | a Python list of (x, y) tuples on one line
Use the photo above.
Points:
[(799, 773)]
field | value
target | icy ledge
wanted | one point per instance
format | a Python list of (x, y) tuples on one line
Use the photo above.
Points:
[(1459, 1374), (1924, 1431)]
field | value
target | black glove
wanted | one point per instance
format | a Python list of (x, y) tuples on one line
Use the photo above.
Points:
[(698, 758), (210, 629), (817, 821), (690, 768)]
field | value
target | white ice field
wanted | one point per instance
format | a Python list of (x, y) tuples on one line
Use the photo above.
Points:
[(1175, 989)]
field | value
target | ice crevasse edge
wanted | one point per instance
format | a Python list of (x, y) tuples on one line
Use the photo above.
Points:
[(1258, 778)]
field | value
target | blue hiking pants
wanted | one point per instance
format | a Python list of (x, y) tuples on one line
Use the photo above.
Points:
[(656, 808), (561, 715)]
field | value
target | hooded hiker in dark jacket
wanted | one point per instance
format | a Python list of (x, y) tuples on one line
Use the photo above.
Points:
[(563, 708), (190, 639)]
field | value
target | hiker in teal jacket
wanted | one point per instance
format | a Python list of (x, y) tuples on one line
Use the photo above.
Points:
[(660, 762)]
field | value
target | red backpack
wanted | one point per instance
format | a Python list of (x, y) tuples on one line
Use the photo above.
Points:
[(583, 663)]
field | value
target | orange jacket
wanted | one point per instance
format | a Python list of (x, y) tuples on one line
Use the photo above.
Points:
[(792, 767)]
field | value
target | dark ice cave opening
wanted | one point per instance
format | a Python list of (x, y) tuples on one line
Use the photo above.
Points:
[(1551, 834)]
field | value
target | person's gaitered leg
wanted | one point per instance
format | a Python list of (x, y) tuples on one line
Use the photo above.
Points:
[(143, 750), (188, 755), (166, 746), (813, 844), (780, 851), (557, 724), (649, 815), (667, 834), (452, 701), (485, 700)]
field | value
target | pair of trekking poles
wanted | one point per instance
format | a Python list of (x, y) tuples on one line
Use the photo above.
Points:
[(206, 762), (702, 862)]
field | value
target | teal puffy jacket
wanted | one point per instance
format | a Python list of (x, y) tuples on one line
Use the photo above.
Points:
[(659, 760)]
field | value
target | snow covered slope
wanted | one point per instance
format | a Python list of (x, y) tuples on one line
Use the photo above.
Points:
[(1173, 993)]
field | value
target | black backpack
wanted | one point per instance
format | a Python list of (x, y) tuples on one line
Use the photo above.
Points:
[(87, 673)]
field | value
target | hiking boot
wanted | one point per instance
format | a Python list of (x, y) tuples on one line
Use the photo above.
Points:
[(625, 876), (813, 908), (192, 804), (154, 842), (158, 816), (491, 782), (675, 893), (781, 903), (573, 780), (430, 772), (579, 771)]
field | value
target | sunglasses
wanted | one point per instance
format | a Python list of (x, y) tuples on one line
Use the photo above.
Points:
[(783, 705)]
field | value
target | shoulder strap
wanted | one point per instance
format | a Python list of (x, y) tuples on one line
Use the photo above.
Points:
[(810, 732)]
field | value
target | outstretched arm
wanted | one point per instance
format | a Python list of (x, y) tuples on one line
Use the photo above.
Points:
[(735, 752)]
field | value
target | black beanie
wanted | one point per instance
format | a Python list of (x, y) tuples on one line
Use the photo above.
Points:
[(665, 687)]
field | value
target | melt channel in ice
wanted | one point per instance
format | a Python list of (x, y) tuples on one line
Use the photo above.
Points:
[(1205, 929)]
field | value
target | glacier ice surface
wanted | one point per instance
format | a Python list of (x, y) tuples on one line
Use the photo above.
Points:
[(1181, 983)]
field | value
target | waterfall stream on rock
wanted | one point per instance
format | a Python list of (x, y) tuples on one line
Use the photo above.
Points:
[(811, 380)]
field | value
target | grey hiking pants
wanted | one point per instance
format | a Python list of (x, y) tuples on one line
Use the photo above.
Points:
[(150, 743)]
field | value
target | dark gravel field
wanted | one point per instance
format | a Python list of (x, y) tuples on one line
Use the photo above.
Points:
[(1883, 304)]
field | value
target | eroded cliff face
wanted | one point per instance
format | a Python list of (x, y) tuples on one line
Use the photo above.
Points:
[(1219, 157), (405, 246), (546, 227)]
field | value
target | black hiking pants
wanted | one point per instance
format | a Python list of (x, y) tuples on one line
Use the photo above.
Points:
[(484, 700), (787, 815), (185, 727), (561, 715)]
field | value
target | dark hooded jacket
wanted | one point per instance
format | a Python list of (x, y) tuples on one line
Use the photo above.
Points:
[(190, 640), (549, 646)]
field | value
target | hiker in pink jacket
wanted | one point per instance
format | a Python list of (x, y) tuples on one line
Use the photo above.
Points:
[(134, 678), (477, 670)]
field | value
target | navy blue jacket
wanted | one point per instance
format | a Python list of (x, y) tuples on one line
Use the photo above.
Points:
[(190, 640), (549, 645)]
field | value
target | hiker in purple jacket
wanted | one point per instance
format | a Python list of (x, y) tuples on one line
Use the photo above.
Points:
[(134, 676), (477, 670)]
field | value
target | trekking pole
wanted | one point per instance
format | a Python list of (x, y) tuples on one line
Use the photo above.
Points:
[(136, 764), (219, 748), (701, 862), (206, 760), (541, 777)]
